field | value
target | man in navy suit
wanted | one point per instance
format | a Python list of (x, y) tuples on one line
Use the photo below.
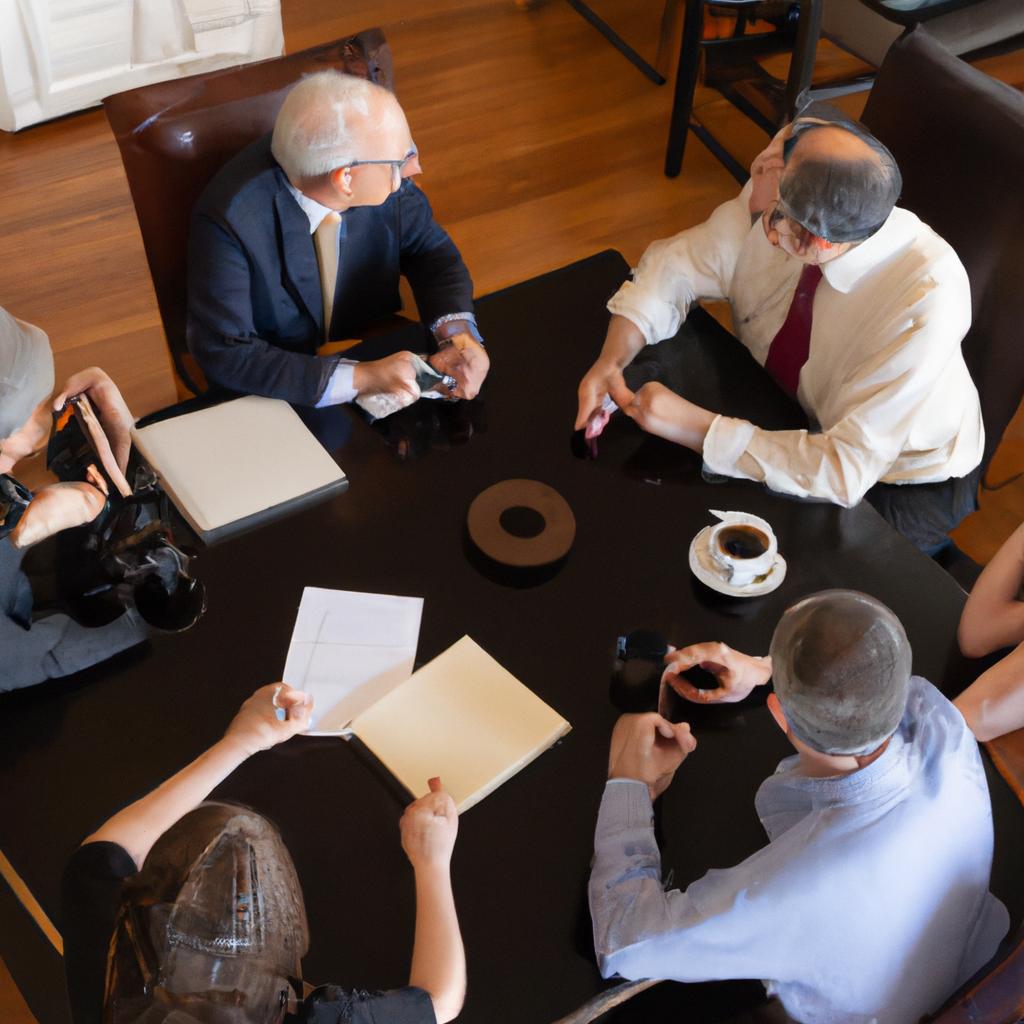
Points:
[(301, 239)]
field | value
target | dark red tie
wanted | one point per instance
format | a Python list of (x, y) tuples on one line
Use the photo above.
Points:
[(790, 347)]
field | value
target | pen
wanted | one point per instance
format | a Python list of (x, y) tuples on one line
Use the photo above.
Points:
[(282, 713)]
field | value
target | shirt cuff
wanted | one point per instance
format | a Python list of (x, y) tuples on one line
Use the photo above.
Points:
[(448, 318), (339, 388), (726, 441), (626, 804)]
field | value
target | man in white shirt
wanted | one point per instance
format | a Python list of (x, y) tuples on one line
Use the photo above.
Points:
[(870, 902), (854, 306)]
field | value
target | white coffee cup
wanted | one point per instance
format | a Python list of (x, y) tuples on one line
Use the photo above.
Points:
[(742, 547)]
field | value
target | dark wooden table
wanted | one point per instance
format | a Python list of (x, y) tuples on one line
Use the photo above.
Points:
[(73, 752)]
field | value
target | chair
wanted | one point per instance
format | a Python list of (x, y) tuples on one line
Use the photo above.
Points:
[(174, 136), (958, 137), (732, 69)]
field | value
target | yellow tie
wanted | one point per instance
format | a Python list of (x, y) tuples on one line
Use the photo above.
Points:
[(326, 238)]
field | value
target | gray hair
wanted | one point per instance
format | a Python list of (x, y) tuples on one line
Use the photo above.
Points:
[(840, 200), (26, 372), (314, 132), (841, 670)]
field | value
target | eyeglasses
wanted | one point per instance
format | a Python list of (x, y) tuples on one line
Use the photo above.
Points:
[(397, 166)]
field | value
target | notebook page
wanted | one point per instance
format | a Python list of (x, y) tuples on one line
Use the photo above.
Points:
[(462, 717), (349, 649)]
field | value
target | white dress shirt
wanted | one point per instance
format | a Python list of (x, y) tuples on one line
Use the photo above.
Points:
[(885, 382), (869, 905)]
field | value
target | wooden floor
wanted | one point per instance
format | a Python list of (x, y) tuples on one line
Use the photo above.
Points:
[(540, 145)]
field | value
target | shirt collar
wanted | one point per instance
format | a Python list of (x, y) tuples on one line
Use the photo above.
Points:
[(314, 211), (845, 273)]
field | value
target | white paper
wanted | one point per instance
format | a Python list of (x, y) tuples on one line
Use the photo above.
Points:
[(348, 650)]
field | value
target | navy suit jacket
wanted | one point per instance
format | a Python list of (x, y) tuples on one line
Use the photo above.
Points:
[(255, 308)]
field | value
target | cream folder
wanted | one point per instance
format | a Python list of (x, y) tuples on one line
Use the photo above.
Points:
[(462, 717), (239, 464)]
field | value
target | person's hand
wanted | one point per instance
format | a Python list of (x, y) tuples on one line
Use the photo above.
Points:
[(110, 408), (392, 375), (736, 674), (599, 382), (257, 727), (663, 413), (649, 748), (58, 507), (466, 360), (429, 827)]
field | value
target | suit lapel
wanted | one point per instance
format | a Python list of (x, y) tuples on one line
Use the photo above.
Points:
[(299, 256)]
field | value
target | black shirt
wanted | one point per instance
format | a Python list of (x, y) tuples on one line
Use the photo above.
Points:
[(90, 899)]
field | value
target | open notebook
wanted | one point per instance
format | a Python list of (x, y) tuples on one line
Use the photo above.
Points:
[(236, 465), (463, 717)]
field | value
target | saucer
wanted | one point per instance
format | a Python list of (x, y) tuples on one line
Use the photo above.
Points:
[(703, 567)]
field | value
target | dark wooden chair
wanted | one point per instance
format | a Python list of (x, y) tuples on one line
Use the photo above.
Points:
[(174, 136)]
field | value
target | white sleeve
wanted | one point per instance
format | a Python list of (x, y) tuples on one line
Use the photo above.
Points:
[(673, 273)]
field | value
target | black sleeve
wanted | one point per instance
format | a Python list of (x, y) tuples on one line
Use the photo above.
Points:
[(330, 1004), (430, 260), (90, 898)]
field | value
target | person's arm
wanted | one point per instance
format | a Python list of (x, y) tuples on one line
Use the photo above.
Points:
[(221, 332), (993, 704), (429, 827), (721, 927), (879, 411), (994, 614), (255, 727), (671, 276)]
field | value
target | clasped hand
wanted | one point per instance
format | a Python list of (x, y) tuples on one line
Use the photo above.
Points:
[(649, 749)]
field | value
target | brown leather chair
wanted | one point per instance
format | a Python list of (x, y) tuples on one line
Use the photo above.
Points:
[(174, 136)]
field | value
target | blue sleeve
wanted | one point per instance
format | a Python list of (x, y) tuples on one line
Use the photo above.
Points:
[(57, 646), (429, 259), (720, 927), (221, 332)]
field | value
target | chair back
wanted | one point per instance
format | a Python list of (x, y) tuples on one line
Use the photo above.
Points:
[(958, 137), (174, 136)]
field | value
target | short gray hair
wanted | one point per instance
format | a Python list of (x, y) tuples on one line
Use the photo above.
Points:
[(313, 133), (841, 670)]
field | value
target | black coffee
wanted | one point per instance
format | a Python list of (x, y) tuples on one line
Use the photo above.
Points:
[(742, 541)]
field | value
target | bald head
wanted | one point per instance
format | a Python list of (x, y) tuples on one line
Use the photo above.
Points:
[(840, 182), (330, 119)]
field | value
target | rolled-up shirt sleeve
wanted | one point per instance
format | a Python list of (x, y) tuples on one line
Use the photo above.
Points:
[(675, 272), (873, 414), (718, 928)]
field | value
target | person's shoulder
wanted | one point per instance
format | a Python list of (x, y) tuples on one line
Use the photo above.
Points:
[(251, 175), (933, 726), (330, 1003), (100, 860), (932, 254)]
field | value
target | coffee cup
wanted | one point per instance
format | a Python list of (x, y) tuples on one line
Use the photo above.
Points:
[(742, 547)]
